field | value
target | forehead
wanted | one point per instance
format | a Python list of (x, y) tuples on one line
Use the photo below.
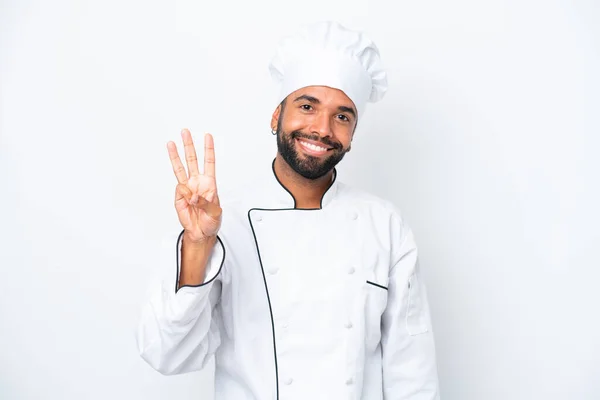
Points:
[(325, 94)]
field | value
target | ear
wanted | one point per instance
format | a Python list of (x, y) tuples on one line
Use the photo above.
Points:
[(275, 117)]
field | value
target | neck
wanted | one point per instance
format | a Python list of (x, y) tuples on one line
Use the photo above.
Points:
[(307, 193)]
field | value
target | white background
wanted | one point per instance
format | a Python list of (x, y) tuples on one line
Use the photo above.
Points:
[(488, 140)]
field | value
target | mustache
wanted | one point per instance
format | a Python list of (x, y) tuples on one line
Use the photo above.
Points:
[(326, 141)]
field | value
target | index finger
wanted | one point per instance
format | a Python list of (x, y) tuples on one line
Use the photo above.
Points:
[(178, 169), (209, 155)]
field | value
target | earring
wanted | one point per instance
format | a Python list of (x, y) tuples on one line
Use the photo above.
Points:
[(273, 131)]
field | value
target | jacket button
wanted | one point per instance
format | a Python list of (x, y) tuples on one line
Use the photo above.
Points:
[(351, 270), (353, 215), (348, 325), (349, 381), (258, 218), (273, 271), (288, 381)]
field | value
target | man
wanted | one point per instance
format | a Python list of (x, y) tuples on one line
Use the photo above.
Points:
[(303, 288)]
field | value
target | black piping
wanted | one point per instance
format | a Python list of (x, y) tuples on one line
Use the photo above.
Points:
[(269, 301), (378, 285), (286, 189), (290, 193), (260, 259), (177, 255)]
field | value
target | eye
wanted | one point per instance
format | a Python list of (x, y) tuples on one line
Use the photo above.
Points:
[(306, 107), (343, 117)]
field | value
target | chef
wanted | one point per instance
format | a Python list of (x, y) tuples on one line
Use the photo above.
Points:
[(300, 286)]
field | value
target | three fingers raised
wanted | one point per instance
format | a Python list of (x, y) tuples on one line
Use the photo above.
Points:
[(191, 157)]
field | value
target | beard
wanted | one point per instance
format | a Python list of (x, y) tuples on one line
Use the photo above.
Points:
[(310, 167)]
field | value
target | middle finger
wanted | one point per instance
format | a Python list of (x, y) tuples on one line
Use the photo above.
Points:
[(190, 153)]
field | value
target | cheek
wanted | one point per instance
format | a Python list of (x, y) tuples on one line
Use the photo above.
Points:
[(296, 126), (346, 145), (294, 121), (345, 138)]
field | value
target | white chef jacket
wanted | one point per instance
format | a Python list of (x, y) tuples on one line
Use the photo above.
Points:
[(326, 303)]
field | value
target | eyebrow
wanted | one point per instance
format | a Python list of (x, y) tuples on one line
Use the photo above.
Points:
[(314, 100)]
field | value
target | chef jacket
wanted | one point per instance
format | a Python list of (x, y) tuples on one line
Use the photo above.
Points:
[(297, 304)]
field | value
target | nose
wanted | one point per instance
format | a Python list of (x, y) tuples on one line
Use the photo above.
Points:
[(321, 125)]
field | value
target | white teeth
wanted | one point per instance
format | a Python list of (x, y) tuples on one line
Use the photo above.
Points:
[(313, 147)]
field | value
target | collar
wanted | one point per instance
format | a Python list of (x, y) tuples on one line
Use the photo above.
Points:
[(281, 198)]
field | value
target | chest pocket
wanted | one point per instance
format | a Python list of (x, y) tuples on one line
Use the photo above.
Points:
[(416, 313), (375, 303)]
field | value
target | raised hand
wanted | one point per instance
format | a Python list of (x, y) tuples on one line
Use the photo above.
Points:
[(196, 197)]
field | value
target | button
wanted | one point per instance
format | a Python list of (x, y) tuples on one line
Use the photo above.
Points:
[(258, 218), (273, 271), (349, 381), (284, 326), (351, 270), (353, 215), (348, 325), (288, 381)]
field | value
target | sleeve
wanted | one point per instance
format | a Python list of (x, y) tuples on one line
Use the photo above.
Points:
[(407, 341), (178, 329)]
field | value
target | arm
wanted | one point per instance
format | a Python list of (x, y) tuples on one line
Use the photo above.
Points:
[(178, 330), (408, 349)]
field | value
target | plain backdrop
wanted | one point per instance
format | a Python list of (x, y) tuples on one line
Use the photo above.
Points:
[(488, 141)]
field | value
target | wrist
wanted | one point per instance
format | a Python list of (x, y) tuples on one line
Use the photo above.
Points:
[(194, 258), (195, 242)]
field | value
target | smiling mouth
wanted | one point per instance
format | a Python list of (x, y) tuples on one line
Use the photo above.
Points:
[(312, 148)]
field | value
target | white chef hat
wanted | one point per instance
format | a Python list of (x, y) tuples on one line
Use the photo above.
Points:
[(328, 54)]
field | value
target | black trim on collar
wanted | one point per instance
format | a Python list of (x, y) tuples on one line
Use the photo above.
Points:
[(290, 193), (177, 255)]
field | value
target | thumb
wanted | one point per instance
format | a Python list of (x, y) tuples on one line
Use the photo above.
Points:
[(182, 193), (211, 209)]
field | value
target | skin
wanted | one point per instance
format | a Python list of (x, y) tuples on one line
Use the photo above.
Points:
[(326, 115), (198, 208), (317, 114)]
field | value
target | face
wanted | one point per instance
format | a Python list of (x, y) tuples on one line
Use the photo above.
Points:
[(314, 128)]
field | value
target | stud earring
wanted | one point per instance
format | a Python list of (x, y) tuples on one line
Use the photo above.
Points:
[(273, 131)]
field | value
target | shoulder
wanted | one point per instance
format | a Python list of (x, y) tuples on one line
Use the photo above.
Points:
[(383, 217), (237, 200), (241, 194), (355, 197)]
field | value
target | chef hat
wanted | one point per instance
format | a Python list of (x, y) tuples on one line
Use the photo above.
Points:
[(328, 54)]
